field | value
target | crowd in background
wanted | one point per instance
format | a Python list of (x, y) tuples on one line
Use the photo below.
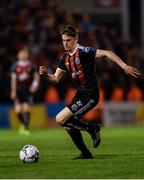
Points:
[(36, 23)]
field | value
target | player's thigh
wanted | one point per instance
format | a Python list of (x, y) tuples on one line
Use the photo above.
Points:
[(17, 106), (63, 115)]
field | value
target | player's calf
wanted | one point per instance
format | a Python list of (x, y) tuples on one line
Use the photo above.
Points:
[(94, 131)]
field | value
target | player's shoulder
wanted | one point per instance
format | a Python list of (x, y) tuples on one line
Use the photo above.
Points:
[(14, 64), (86, 49), (64, 55), (13, 67)]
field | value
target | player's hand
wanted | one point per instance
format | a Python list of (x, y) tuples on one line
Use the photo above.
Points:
[(132, 71), (34, 86), (33, 89), (42, 70)]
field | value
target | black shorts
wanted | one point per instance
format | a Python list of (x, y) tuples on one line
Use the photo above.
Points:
[(23, 94), (82, 103)]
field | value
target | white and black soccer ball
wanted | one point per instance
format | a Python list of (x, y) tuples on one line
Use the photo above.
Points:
[(29, 154)]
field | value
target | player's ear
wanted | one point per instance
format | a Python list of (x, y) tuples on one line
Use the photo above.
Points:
[(76, 39)]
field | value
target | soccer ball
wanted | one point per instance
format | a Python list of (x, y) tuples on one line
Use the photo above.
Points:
[(29, 154)]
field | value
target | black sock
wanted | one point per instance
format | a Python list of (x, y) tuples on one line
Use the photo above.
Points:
[(78, 140), (20, 117), (26, 119), (75, 123)]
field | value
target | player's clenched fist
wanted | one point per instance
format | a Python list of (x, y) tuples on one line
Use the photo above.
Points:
[(42, 70)]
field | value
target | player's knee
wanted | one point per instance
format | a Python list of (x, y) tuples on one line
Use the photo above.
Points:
[(17, 110), (60, 119), (26, 108)]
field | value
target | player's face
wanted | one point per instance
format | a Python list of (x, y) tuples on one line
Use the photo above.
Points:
[(69, 43), (23, 55)]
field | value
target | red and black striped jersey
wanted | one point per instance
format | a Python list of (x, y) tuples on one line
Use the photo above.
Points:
[(24, 71), (81, 66)]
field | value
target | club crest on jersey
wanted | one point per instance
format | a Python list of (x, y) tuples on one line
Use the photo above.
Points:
[(74, 107), (79, 103), (77, 60)]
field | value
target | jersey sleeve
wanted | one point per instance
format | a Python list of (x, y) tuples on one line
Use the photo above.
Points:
[(90, 52), (61, 64), (13, 68)]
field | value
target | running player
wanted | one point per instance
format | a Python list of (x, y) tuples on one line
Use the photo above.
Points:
[(24, 82), (79, 63)]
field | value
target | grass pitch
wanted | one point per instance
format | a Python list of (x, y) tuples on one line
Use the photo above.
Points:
[(120, 155)]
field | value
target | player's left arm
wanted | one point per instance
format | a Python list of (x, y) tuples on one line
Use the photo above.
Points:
[(113, 57)]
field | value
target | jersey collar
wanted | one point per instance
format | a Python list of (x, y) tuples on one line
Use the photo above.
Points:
[(71, 54)]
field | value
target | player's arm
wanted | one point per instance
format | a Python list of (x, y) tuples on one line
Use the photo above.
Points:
[(13, 86), (55, 78), (35, 83), (113, 57)]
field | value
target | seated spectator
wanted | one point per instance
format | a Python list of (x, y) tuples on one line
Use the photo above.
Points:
[(117, 95), (134, 94), (52, 95)]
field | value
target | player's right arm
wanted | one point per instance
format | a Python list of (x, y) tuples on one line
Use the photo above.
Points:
[(55, 78), (13, 86)]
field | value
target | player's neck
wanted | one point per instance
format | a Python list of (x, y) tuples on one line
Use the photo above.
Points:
[(72, 52)]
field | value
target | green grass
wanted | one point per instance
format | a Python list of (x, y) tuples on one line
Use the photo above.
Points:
[(120, 155)]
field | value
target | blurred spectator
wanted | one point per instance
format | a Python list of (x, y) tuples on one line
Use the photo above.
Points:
[(134, 94), (117, 95), (52, 96)]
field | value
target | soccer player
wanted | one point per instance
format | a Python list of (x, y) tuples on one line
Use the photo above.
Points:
[(79, 63), (24, 82)]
